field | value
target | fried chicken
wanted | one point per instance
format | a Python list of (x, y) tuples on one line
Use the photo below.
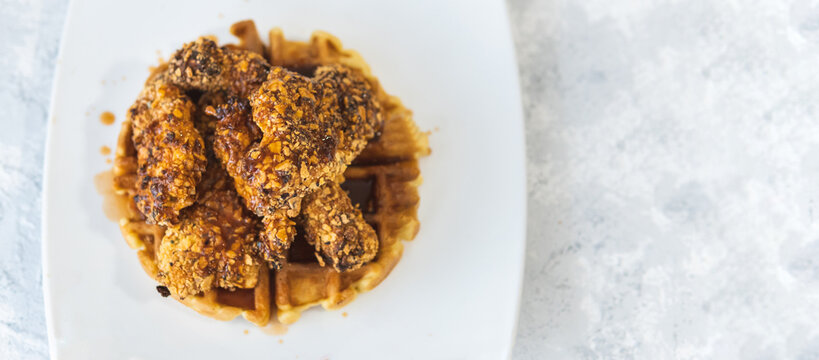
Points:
[(280, 135), (311, 129), (170, 151), (203, 65), (337, 229), (213, 244)]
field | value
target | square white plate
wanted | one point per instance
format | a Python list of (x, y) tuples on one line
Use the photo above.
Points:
[(454, 295)]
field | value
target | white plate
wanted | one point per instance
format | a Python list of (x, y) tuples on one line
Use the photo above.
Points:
[(455, 292)]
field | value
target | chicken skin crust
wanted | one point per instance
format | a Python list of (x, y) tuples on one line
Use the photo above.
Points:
[(311, 129), (212, 246), (203, 65), (337, 229), (280, 135), (170, 151)]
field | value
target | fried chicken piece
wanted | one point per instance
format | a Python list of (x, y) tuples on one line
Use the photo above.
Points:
[(213, 245), (311, 129), (337, 229), (349, 104), (170, 151), (203, 65), (276, 237), (235, 133)]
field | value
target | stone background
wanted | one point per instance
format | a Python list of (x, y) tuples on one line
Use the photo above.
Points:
[(671, 177)]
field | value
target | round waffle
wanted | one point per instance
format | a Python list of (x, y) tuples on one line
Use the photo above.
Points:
[(382, 181)]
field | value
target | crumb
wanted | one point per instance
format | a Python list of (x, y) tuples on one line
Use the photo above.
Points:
[(246, 331), (108, 161), (123, 77), (105, 150), (281, 341), (221, 16), (344, 314), (163, 291)]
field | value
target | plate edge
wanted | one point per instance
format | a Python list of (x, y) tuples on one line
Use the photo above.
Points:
[(47, 303), (507, 24)]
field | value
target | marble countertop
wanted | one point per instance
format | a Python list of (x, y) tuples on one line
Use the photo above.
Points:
[(671, 177)]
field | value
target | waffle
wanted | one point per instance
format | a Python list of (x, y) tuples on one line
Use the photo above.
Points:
[(382, 181)]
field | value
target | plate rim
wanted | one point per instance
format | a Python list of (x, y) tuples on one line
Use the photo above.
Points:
[(48, 304)]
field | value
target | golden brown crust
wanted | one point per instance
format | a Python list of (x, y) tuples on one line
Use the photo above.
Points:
[(212, 246), (312, 128), (203, 65), (276, 238), (170, 151), (337, 229)]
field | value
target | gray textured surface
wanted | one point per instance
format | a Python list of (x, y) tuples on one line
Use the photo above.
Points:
[(29, 37), (673, 175), (673, 167)]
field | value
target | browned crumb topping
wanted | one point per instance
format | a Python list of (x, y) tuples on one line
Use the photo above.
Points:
[(311, 129), (203, 65), (212, 246), (279, 135), (337, 229), (295, 134), (279, 232), (170, 152)]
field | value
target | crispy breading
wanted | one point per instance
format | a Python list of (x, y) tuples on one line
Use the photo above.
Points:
[(203, 65), (280, 135), (279, 232), (337, 229), (311, 129), (170, 151), (213, 245)]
